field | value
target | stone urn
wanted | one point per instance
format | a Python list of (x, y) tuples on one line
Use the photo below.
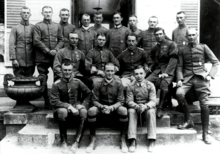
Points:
[(24, 90)]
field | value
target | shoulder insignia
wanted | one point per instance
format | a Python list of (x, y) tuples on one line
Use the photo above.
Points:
[(140, 48), (58, 81)]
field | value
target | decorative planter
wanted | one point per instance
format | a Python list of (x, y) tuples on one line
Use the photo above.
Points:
[(24, 90)]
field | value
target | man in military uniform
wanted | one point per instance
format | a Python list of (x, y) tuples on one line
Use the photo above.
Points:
[(164, 56), (98, 18), (132, 22), (191, 72), (77, 58), (131, 58), (98, 57), (108, 98), (86, 35), (147, 38), (48, 40), (21, 47), (66, 27), (141, 98), (66, 99), (116, 36)]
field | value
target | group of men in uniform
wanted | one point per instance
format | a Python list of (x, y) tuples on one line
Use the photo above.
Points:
[(116, 71)]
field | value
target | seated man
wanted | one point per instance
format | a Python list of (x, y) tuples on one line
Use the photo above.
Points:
[(141, 98), (164, 56), (131, 58), (108, 98), (97, 58), (77, 57), (67, 102)]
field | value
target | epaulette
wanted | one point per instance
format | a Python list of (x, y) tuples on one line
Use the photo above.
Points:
[(58, 81), (75, 79), (140, 48), (124, 50)]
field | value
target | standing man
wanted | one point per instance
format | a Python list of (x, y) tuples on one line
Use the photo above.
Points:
[(48, 40), (108, 98), (65, 26), (66, 99), (86, 35), (164, 56), (147, 38), (98, 57), (117, 35), (21, 47), (77, 58), (179, 34), (132, 22), (98, 18), (141, 98), (131, 58), (191, 72)]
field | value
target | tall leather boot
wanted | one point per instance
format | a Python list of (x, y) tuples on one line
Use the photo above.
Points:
[(205, 125), (79, 134), (46, 99), (188, 123), (92, 129), (63, 134), (163, 97), (123, 144)]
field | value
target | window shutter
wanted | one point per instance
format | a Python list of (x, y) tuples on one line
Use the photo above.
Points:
[(13, 12)]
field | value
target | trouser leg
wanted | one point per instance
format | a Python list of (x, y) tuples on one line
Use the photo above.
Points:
[(132, 123), (151, 123)]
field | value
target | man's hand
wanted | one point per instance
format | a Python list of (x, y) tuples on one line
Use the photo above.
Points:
[(179, 83), (132, 78), (73, 110), (52, 52), (116, 69), (15, 63), (142, 108), (93, 70), (208, 77), (101, 73), (105, 109), (147, 69), (79, 107), (163, 75)]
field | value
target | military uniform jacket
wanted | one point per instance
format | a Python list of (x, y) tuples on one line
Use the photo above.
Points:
[(105, 93), (136, 31), (143, 93), (66, 29), (98, 57), (164, 57), (147, 40), (100, 30), (65, 93), (47, 36), (116, 38), (179, 36), (86, 39), (76, 56), (129, 59), (21, 44), (191, 62)]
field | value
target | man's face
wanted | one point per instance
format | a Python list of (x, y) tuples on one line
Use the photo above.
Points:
[(153, 22), (101, 40), (64, 16), (67, 71), (131, 41), (98, 19), (160, 36), (85, 21), (139, 74), (25, 14), (73, 39), (117, 19), (192, 36), (109, 72), (180, 18), (133, 22), (47, 13)]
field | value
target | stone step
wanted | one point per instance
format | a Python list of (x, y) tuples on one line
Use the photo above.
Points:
[(38, 135)]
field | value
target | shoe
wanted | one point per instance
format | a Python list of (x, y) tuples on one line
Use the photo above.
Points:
[(91, 146), (159, 113), (132, 146), (186, 125), (206, 138), (123, 145), (64, 145), (74, 147), (151, 145)]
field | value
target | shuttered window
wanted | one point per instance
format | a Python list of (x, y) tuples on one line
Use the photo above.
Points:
[(13, 11)]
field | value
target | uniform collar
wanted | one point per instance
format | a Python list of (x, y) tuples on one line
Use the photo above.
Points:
[(67, 80), (71, 47), (47, 21), (132, 49), (117, 26), (193, 45), (133, 29), (97, 26), (86, 28), (63, 23), (25, 23), (182, 26), (99, 48), (151, 30), (142, 84), (108, 82), (163, 42)]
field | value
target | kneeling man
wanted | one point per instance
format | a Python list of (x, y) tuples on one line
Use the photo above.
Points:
[(141, 99), (108, 98), (66, 96)]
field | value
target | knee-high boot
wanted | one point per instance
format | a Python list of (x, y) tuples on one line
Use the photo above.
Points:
[(63, 133), (46, 98), (205, 125), (123, 145), (163, 97), (92, 128)]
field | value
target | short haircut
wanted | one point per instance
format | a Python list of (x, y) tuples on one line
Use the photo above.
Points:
[(100, 34), (133, 15), (25, 7), (47, 7), (64, 9), (153, 17), (116, 13), (85, 14), (132, 34), (72, 33), (109, 64), (181, 12), (66, 62), (139, 67), (158, 29), (191, 28), (98, 13)]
